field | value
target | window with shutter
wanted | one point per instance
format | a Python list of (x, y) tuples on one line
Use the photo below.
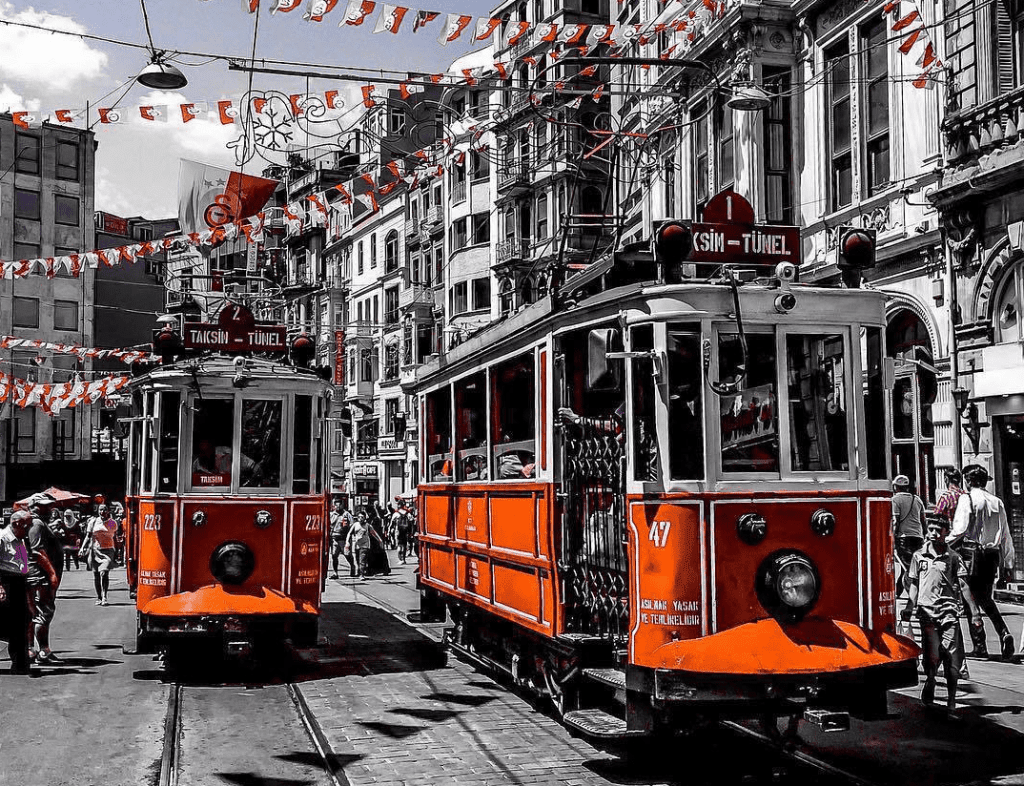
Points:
[(1007, 19)]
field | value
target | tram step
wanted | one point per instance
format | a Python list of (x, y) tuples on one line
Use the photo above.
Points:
[(598, 723), (615, 678)]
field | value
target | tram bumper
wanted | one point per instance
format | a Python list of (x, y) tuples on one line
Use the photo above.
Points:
[(215, 610), (820, 662)]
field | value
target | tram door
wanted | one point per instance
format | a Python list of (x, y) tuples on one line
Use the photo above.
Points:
[(592, 458)]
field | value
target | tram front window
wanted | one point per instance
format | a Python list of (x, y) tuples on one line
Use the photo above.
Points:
[(212, 426), (749, 416), (261, 444), (816, 374), (685, 413)]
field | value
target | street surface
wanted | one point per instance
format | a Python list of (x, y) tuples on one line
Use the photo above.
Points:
[(379, 704)]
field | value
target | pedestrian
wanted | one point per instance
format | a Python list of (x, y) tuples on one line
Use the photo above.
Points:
[(71, 538), (907, 525), (357, 544), (946, 504), (117, 514), (981, 533), (404, 532), (14, 589), (341, 522), (938, 580), (45, 566), (98, 550)]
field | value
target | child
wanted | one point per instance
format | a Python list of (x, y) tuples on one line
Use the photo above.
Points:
[(937, 579)]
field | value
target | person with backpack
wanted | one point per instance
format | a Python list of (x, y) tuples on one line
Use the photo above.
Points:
[(907, 526)]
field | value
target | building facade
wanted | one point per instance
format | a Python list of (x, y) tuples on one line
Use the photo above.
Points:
[(46, 210)]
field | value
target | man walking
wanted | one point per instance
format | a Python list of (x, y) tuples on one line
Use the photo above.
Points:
[(946, 505), (14, 590), (981, 532), (46, 564), (907, 525), (357, 544)]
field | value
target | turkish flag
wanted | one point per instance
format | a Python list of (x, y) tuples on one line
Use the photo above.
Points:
[(210, 197)]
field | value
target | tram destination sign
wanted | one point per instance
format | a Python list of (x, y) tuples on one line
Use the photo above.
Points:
[(759, 243), (728, 234), (235, 331)]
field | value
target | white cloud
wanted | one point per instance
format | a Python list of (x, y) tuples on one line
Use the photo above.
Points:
[(40, 58), (11, 101)]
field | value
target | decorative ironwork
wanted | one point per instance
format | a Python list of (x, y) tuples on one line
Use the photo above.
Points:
[(594, 533)]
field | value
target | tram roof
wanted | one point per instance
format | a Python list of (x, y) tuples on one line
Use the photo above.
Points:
[(217, 365), (699, 297)]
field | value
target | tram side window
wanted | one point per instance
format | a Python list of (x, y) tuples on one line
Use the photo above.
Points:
[(874, 403), (320, 441), (749, 416), (213, 424), (260, 451), (170, 411), (513, 419), (470, 427), (685, 406), (816, 377), (439, 436), (302, 444), (135, 456)]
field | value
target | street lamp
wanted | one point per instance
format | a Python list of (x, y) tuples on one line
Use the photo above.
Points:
[(161, 75), (968, 410)]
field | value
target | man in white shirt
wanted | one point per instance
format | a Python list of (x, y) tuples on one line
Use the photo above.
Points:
[(14, 564), (981, 532)]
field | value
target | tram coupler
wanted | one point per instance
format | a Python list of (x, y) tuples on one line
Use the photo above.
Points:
[(827, 720)]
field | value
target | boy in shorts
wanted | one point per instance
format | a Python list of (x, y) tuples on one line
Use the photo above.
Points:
[(938, 579)]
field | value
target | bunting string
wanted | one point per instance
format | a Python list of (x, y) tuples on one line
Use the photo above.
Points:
[(54, 398), (127, 356)]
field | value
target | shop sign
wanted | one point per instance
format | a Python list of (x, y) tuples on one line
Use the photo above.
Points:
[(364, 470), (388, 445)]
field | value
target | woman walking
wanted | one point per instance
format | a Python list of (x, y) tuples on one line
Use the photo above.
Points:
[(71, 538), (98, 550)]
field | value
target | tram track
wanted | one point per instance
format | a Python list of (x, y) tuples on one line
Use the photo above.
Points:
[(174, 761)]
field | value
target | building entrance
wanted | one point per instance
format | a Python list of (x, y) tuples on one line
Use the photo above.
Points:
[(1010, 471)]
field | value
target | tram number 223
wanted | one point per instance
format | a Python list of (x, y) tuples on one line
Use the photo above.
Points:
[(151, 522), (314, 522), (659, 533)]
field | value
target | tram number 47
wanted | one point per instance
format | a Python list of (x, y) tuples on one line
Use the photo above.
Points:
[(659, 533), (151, 522)]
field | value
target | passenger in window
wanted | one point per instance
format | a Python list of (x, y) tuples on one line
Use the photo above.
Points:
[(475, 468)]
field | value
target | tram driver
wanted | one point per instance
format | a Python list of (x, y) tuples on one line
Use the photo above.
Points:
[(212, 464)]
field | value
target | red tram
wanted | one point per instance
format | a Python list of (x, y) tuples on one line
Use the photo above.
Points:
[(663, 497), (226, 502)]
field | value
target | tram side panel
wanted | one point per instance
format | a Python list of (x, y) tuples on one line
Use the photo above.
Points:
[(154, 529), (881, 584), (491, 547), (307, 551)]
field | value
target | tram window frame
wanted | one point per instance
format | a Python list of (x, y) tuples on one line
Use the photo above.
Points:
[(169, 443), (301, 482), (752, 331), (514, 442), (196, 403), (245, 454), (471, 398), (644, 441), (439, 434), (149, 436), (135, 445), (786, 410), (676, 391), (875, 396)]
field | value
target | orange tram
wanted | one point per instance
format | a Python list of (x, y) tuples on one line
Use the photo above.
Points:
[(226, 501), (660, 497)]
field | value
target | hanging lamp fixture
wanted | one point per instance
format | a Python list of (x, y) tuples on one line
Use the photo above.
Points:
[(159, 74)]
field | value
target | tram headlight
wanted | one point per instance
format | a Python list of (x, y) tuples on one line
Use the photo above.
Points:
[(788, 585), (232, 562), (823, 522)]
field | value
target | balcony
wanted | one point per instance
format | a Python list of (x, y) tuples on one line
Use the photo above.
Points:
[(416, 296), (510, 250), (434, 215), (412, 232), (513, 176)]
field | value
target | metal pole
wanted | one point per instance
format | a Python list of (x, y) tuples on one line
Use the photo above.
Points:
[(954, 361)]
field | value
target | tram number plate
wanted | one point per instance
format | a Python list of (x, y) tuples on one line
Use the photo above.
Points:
[(151, 522), (659, 533), (314, 522)]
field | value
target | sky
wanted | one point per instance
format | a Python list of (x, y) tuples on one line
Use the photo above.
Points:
[(137, 165)]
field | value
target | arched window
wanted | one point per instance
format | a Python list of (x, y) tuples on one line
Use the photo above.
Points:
[(913, 433), (506, 296), (391, 252), (1006, 310), (526, 292)]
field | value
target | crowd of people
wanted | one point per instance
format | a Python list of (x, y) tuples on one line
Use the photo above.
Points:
[(38, 544), (952, 557), (363, 538)]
